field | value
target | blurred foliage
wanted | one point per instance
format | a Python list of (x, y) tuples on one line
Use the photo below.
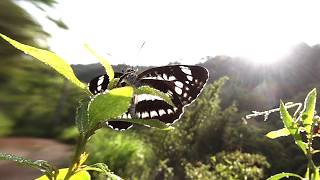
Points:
[(163, 171), (6, 125), (33, 98), (69, 134), (234, 165), (124, 152)]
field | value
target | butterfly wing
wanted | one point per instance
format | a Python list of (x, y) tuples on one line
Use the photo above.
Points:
[(119, 125), (100, 84), (183, 84), (184, 81)]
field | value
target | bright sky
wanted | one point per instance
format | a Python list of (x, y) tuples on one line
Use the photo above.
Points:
[(180, 30)]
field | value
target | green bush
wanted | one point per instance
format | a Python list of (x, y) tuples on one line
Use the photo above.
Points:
[(234, 165), (124, 153)]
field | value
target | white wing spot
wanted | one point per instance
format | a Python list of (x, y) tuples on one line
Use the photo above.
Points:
[(145, 114), (101, 77), (99, 88), (159, 77), (172, 78), (129, 116), (186, 71), (162, 112), (170, 111), (184, 67), (100, 81), (187, 82), (138, 114), (147, 97), (196, 81), (187, 88), (175, 109), (179, 84), (185, 95), (165, 77), (190, 78), (153, 114), (178, 90)]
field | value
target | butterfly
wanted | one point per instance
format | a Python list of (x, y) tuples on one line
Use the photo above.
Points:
[(182, 83)]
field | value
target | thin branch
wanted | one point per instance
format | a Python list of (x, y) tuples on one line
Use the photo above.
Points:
[(266, 114)]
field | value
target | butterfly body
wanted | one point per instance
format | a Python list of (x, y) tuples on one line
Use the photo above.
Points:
[(182, 83)]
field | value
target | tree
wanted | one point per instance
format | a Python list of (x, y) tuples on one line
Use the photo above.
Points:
[(29, 107)]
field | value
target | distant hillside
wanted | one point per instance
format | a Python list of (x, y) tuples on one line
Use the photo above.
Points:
[(252, 86)]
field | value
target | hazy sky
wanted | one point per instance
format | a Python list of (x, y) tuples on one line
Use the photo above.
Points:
[(182, 31)]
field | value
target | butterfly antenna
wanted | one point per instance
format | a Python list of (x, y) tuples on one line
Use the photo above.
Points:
[(142, 45)]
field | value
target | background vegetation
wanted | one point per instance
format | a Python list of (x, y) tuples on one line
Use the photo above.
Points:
[(211, 141)]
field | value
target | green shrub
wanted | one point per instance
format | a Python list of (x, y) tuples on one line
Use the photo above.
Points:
[(124, 152), (234, 165)]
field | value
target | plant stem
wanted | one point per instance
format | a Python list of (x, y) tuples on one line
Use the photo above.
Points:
[(311, 166), (80, 147), (310, 162)]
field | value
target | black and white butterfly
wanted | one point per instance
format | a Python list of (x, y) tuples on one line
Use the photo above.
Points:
[(183, 83)]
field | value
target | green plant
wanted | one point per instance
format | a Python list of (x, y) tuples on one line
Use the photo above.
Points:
[(234, 165), (303, 127), (91, 115), (127, 154)]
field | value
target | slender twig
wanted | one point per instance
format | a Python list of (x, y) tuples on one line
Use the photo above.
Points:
[(311, 165), (268, 112), (80, 147)]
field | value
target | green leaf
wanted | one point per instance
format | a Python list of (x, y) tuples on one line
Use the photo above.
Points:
[(316, 174), (103, 61), (309, 110), (81, 175), (149, 122), (82, 117), (292, 127), (103, 168), (315, 151), (278, 133), (42, 165), (110, 104), (48, 58), (154, 92), (284, 175)]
